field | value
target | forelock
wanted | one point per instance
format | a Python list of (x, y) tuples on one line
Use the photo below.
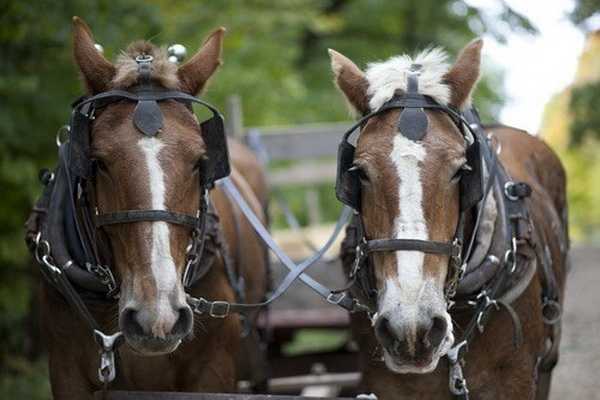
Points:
[(387, 77), (163, 71)]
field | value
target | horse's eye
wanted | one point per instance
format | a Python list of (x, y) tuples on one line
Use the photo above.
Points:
[(464, 169), (200, 164), (360, 172), (99, 165)]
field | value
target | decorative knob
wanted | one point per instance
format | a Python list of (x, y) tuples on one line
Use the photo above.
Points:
[(176, 52)]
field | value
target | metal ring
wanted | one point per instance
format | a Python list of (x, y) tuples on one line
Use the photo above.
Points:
[(507, 187), (511, 255), (37, 238), (39, 253), (53, 268), (144, 58), (64, 131), (556, 313)]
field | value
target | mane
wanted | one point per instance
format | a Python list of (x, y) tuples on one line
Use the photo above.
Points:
[(163, 72), (386, 77)]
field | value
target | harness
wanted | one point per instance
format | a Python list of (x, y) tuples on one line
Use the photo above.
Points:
[(412, 123), (65, 230), (512, 259)]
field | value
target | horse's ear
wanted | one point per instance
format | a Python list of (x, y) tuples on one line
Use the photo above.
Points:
[(351, 81), (96, 70), (464, 74), (194, 74)]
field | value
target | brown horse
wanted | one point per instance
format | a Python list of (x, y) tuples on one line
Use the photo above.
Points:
[(165, 348), (410, 190)]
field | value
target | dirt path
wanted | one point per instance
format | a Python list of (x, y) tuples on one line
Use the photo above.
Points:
[(577, 375)]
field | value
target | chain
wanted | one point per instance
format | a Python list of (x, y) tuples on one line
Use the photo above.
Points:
[(458, 268), (105, 275)]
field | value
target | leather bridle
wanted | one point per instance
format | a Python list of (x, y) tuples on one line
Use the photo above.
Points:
[(413, 124)]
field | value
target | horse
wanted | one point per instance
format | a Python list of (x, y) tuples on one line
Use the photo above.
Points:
[(426, 179), (167, 347)]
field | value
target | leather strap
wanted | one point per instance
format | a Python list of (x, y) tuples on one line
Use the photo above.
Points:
[(222, 308), (142, 94), (296, 271), (425, 246), (129, 216)]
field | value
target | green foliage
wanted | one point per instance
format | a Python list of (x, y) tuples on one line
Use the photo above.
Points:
[(275, 59), (584, 9), (583, 166), (586, 119)]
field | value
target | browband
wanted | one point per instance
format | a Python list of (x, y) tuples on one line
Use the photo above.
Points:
[(143, 93)]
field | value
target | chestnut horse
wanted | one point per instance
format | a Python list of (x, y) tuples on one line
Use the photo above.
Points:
[(409, 185), (166, 348)]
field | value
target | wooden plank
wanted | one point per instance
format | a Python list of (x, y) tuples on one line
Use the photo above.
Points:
[(328, 318), (235, 117), (302, 141), (321, 391), (304, 174), (127, 395), (339, 361), (293, 383)]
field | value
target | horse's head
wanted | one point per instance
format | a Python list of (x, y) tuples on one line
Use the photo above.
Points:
[(138, 172), (410, 190)]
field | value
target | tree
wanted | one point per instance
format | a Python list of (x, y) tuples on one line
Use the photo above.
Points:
[(275, 58)]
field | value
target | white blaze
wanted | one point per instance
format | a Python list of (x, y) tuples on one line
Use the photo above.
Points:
[(410, 223), (161, 261)]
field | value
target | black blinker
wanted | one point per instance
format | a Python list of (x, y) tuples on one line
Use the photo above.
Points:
[(217, 165)]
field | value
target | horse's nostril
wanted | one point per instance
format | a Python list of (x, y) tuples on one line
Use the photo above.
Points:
[(183, 325), (384, 332), (129, 322), (436, 333)]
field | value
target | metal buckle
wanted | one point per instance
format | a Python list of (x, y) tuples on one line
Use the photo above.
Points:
[(62, 135), (52, 267), (456, 380), (215, 312), (359, 257), (511, 255), (42, 249), (107, 370), (507, 193), (488, 301), (335, 298), (554, 315)]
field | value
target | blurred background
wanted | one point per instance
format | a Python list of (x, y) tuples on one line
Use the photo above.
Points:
[(541, 72)]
